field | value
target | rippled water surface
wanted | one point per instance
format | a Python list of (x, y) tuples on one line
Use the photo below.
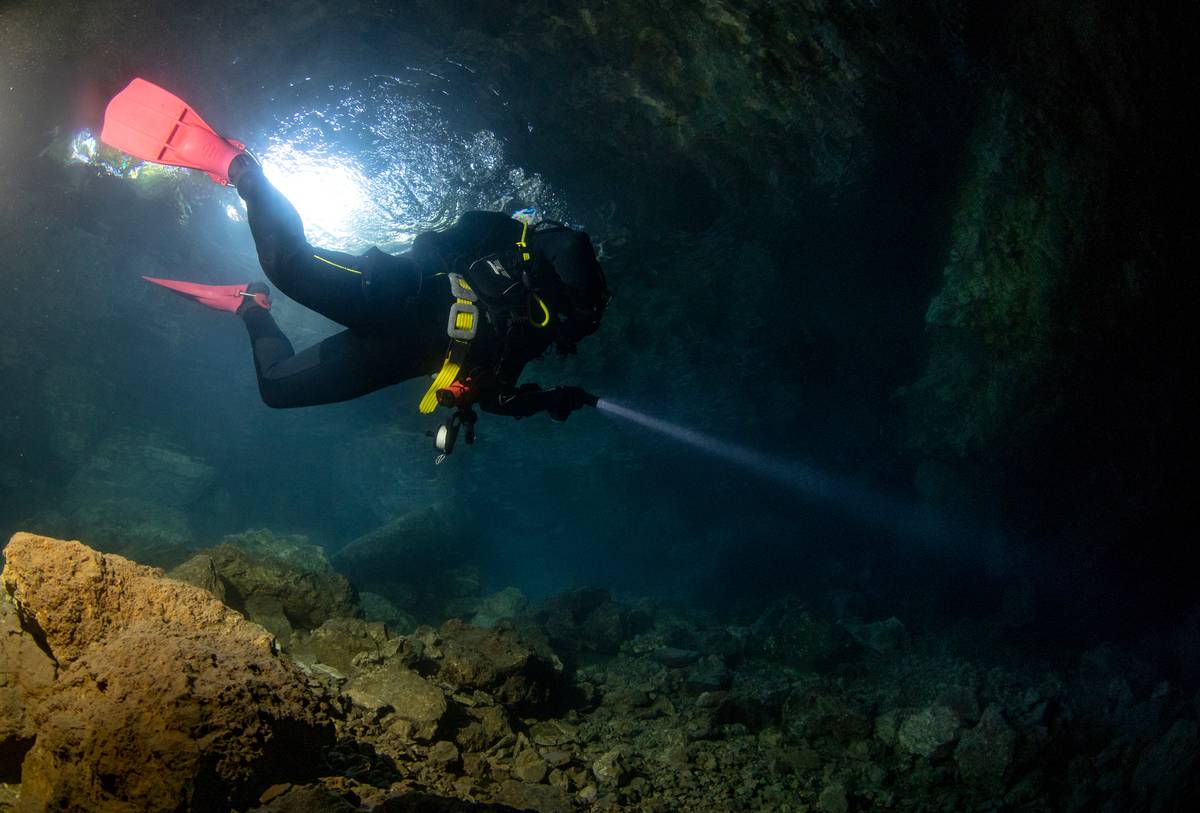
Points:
[(373, 161)]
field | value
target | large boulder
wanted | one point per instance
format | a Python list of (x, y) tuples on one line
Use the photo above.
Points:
[(515, 670), (506, 604), (588, 620), (929, 732), (130, 493), (416, 706), (166, 699), (823, 713), (789, 633), (339, 641), (279, 580)]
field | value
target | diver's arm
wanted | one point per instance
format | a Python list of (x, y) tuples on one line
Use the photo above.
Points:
[(530, 399)]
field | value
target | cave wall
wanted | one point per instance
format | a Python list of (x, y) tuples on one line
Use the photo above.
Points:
[(964, 209)]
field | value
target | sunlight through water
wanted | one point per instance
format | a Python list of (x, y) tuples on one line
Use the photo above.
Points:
[(370, 162)]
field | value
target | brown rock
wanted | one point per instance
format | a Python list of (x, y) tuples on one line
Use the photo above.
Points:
[(444, 754), (167, 699), (339, 640), (529, 766), (586, 619), (201, 571), (26, 673), (542, 798), (499, 662), (306, 799), (282, 577), (77, 597), (417, 704)]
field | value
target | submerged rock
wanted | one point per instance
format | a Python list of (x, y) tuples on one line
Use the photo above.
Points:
[(158, 534), (1166, 770), (282, 576), (166, 698), (880, 637), (928, 732), (789, 633), (674, 658), (524, 796), (756, 696), (709, 675), (822, 713), (985, 752), (340, 642), (391, 688), (142, 466), (587, 620), (201, 570), (378, 608), (528, 766), (500, 662), (26, 674), (508, 603), (127, 496)]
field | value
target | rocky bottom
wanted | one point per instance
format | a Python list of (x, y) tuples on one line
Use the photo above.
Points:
[(123, 689)]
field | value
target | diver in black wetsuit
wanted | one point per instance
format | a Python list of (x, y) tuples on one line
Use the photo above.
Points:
[(536, 287)]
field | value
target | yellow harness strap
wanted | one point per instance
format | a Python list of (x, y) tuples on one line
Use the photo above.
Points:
[(456, 356), (522, 245), (451, 367)]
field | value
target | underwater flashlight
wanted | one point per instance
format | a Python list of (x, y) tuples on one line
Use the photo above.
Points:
[(447, 434)]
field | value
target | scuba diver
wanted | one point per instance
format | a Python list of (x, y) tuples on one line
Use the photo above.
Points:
[(469, 305)]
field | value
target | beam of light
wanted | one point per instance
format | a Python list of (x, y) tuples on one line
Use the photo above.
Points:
[(869, 506)]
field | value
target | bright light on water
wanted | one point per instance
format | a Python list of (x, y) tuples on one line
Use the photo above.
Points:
[(83, 148), (328, 192)]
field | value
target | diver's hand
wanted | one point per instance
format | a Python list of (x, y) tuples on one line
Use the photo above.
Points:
[(565, 400)]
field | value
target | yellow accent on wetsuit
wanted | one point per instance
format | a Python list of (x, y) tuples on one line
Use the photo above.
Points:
[(336, 265)]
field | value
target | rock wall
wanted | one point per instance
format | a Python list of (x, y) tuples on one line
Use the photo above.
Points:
[(164, 699), (1047, 387)]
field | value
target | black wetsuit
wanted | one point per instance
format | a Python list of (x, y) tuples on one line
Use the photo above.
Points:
[(395, 308)]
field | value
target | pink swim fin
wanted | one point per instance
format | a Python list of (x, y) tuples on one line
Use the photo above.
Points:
[(154, 125), (220, 297)]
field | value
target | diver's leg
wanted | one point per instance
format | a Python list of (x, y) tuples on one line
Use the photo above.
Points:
[(355, 291), (286, 256), (341, 367)]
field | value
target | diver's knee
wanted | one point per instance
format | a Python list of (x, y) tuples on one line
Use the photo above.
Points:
[(273, 396)]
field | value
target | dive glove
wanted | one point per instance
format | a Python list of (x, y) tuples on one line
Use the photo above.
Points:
[(565, 400)]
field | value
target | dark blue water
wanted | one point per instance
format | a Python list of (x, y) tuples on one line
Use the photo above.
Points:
[(772, 259)]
